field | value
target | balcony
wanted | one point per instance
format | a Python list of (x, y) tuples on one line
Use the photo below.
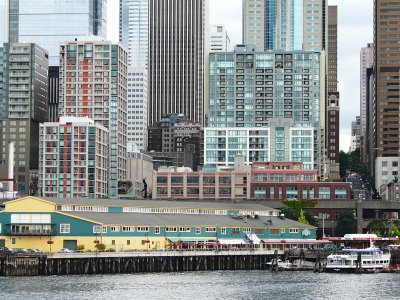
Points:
[(30, 230)]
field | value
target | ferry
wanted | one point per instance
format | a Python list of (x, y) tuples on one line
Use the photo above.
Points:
[(357, 260)]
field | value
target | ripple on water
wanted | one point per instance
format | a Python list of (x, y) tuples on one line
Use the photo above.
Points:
[(204, 285)]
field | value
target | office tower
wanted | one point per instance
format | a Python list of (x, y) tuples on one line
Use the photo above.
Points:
[(23, 107), (284, 24), (355, 134), (134, 35), (73, 160), (54, 93), (93, 83), (177, 54), (49, 23), (137, 108), (133, 30), (265, 106), (332, 113), (4, 22), (387, 66), (366, 61), (219, 39)]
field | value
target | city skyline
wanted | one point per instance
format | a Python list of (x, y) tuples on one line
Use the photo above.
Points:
[(354, 32)]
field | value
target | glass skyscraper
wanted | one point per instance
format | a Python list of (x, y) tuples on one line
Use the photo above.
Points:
[(284, 24), (133, 30), (49, 23)]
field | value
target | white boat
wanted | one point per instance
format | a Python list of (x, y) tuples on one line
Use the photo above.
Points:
[(346, 260), (282, 265)]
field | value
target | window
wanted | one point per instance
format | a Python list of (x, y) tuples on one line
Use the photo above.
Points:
[(143, 229), (128, 242), (282, 230), (235, 231), (198, 230), (223, 230), (211, 229), (156, 230), (273, 231), (293, 230), (64, 228), (171, 229), (13, 241), (114, 228), (96, 229), (0, 227), (184, 229), (112, 242), (104, 229), (128, 228)]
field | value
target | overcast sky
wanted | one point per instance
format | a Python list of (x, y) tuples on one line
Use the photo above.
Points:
[(355, 30)]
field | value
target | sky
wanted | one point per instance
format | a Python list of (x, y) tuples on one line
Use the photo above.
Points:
[(355, 30)]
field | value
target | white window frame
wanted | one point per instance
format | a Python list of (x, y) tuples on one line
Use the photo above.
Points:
[(0, 227), (223, 230), (104, 229), (157, 230), (171, 229), (184, 229), (198, 230), (142, 229), (64, 228), (283, 230), (293, 230), (115, 228), (96, 229), (211, 229)]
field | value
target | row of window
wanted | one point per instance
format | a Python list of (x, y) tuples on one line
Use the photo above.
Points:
[(66, 229)]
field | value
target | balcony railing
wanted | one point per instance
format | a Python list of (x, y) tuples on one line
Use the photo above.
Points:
[(30, 232)]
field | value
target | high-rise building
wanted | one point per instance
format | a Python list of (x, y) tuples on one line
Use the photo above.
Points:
[(284, 24), (219, 39), (23, 106), (387, 103), (54, 93), (133, 30), (178, 50), (49, 23), (366, 61), (137, 108), (73, 160), (93, 83), (332, 113), (355, 134), (266, 102), (134, 35)]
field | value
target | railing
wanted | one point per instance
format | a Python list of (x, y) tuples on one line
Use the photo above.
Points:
[(30, 232)]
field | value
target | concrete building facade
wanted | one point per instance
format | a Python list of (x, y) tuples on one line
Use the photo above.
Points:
[(178, 50), (271, 92), (24, 103), (387, 65), (73, 159), (93, 83), (219, 39)]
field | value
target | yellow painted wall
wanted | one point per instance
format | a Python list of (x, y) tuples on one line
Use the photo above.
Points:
[(40, 242), (30, 204)]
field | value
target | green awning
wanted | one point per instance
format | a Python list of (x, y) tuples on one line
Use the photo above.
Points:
[(190, 239)]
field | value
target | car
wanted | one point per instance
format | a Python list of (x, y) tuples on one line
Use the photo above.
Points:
[(65, 250), (4, 250)]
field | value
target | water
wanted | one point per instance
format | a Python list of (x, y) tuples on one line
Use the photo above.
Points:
[(204, 285)]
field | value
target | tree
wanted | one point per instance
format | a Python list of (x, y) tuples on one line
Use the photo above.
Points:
[(347, 223), (302, 218)]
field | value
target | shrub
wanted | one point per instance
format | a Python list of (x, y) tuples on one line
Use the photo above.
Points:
[(100, 247), (80, 247)]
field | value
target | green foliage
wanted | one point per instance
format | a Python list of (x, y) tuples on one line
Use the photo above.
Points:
[(100, 247), (290, 213), (110, 250), (393, 231), (80, 247), (302, 218), (347, 223)]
